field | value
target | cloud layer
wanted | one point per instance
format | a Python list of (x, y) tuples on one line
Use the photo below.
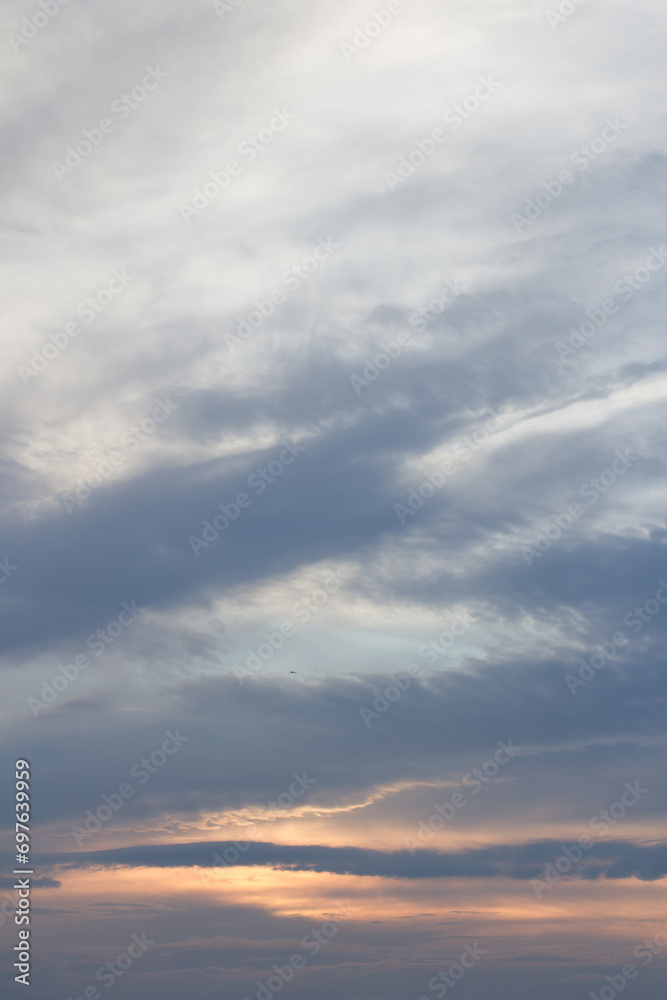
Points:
[(332, 463)]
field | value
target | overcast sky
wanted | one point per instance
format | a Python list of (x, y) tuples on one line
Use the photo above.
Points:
[(332, 495)]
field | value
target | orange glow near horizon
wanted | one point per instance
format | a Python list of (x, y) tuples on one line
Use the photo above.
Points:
[(617, 904)]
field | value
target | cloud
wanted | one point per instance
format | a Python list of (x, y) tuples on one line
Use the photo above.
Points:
[(379, 764), (611, 731), (611, 859)]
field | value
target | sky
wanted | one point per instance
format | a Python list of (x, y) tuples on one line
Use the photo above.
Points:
[(333, 586)]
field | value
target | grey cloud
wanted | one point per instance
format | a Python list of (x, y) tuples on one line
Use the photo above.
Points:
[(611, 729), (609, 859)]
